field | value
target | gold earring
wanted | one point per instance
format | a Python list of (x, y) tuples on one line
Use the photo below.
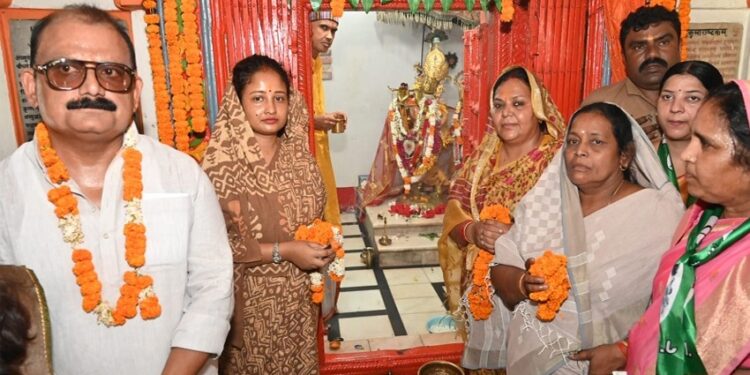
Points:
[(623, 168)]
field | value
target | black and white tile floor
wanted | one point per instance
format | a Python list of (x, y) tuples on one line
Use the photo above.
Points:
[(385, 308)]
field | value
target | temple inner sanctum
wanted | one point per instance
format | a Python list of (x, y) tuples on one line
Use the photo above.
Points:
[(398, 109)]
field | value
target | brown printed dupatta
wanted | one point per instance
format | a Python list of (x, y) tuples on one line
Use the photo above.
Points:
[(262, 203), (287, 193)]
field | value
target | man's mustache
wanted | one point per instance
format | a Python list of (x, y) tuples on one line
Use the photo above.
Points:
[(654, 60), (98, 103)]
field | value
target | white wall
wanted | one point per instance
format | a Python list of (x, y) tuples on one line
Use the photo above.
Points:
[(368, 56), (7, 135)]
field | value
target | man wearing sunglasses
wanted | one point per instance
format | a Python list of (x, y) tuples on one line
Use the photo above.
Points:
[(124, 234)]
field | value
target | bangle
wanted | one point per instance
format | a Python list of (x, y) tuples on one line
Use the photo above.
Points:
[(521, 287), (463, 230), (623, 346)]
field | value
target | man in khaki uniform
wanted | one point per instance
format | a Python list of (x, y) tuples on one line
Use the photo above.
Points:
[(650, 40)]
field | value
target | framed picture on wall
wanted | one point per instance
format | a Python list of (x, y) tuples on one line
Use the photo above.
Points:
[(16, 25)]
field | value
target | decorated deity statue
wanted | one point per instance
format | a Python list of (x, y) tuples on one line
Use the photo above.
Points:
[(413, 161)]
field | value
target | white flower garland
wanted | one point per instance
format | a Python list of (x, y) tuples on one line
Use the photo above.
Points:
[(399, 133), (457, 132), (337, 268)]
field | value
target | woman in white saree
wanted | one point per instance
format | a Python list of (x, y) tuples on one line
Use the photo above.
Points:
[(605, 203)]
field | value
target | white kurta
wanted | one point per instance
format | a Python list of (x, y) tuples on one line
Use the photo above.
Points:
[(187, 254)]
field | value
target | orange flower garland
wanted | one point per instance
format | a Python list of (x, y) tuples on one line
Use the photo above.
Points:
[(507, 11), (496, 212), (324, 233), (187, 102), (553, 268), (684, 13), (176, 80), (479, 296), (194, 71), (337, 8), (137, 291), (158, 71)]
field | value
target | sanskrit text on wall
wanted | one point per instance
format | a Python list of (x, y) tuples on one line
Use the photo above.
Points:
[(717, 43)]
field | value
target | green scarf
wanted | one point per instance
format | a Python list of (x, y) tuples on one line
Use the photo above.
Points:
[(677, 348), (666, 162)]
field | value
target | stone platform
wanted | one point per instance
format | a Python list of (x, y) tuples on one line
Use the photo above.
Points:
[(408, 246)]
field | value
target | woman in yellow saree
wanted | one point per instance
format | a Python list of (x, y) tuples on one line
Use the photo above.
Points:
[(527, 131)]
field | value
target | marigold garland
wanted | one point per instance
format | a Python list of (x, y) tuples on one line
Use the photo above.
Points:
[(337, 8), (176, 74), (161, 92), (506, 14), (194, 70), (137, 291), (553, 268), (684, 14), (480, 295), (324, 233), (185, 104)]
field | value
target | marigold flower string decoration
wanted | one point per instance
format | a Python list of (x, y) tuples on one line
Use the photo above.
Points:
[(684, 15), (480, 295), (183, 99), (553, 268), (506, 11), (137, 292), (324, 233), (337, 8), (161, 92)]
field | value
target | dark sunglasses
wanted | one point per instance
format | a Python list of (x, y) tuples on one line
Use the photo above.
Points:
[(69, 74)]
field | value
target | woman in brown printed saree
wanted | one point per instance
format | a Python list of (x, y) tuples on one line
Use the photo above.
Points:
[(527, 132), (268, 185)]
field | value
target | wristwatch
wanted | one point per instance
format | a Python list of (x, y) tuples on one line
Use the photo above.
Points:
[(276, 254)]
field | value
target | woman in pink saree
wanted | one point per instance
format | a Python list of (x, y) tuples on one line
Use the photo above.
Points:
[(697, 321)]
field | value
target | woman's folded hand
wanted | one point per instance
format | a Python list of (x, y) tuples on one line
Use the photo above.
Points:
[(484, 233), (307, 255)]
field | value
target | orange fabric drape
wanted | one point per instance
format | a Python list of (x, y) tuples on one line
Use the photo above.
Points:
[(615, 11)]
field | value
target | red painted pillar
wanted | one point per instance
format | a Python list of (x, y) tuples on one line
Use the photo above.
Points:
[(269, 27), (549, 38), (477, 84), (559, 40)]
